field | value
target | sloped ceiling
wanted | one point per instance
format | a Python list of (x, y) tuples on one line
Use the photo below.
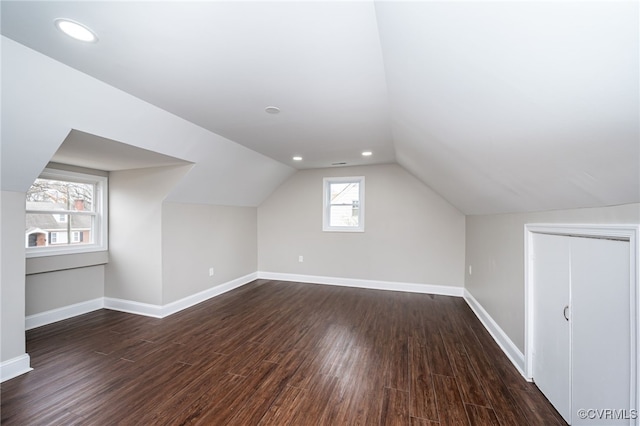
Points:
[(516, 106), (498, 106), (87, 150)]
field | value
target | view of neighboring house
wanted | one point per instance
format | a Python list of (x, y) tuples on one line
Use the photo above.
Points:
[(50, 229)]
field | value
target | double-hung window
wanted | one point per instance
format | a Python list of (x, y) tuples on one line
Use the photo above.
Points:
[(66, 213), (343, 204)]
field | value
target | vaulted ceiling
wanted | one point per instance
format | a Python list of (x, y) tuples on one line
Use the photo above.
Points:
[(498, 106)]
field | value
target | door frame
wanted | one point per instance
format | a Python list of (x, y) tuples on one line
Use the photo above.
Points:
[(629, 233)]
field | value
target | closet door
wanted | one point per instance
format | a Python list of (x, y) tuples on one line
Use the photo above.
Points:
[(601, 311), (582, 306), (552, 332)]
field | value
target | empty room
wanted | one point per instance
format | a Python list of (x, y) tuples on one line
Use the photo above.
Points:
[(320, 212)]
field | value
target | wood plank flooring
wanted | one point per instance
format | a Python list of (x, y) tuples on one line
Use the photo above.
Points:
[(276, 353)]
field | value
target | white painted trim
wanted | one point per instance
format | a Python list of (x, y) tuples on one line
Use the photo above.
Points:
[(194, 299), (326, 203), (100, 214), (20, 365), (66, 312), (370, 284), (161, 311), (132, 307), (506, 344), (15, 367), (630, 233)]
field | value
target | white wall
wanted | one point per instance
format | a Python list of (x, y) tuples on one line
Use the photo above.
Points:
[(12, 292), (134, 271), (412, 235), (196, 237), (58, 289), (495, 250), (39, 265), (159, 252)]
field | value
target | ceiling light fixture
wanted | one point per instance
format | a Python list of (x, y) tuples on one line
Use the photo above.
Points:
[(272, 110), (367, 153), (76, 30), (297, 158)]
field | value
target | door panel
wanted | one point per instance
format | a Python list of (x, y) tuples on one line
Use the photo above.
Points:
[(551, 332), (601, 304)]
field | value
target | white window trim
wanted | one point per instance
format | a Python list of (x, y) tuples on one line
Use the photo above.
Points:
[(326, 204), (101, 218)]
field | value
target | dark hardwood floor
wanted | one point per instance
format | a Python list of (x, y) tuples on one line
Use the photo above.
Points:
[(276, 353)]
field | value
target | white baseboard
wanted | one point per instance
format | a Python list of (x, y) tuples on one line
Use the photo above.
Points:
[(194, 299), (132, 307), (66, 312), (15, 367), (370, 284), (161, 311), (508, 347)]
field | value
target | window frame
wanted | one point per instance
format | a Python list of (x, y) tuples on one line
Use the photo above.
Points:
[(100, 219), (326, 203)]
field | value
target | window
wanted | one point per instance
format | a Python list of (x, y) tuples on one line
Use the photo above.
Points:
[(66, 213), (343, 204), (76, 236), (53, 238)]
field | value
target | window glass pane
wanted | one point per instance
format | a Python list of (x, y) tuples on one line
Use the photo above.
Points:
[(44, 230), (81, 225), (343, 216), (58, 237), (345, 193), (49, 194), (37, 239), (344, 208)]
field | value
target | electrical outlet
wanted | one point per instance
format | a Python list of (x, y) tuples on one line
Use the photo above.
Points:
[(300, 259), (211, 271)]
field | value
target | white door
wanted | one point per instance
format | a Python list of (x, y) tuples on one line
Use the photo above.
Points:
[(582, 327), (601, 312), (551, 331)]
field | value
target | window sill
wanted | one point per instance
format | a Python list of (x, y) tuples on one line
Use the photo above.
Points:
[(60, 262)]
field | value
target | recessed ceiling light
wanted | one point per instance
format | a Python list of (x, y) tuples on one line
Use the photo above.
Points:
[(367, 153), (297, 158), (76, 30), (272, 110)]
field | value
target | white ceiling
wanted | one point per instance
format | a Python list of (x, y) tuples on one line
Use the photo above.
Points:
[(498, 106), (87, 150)]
